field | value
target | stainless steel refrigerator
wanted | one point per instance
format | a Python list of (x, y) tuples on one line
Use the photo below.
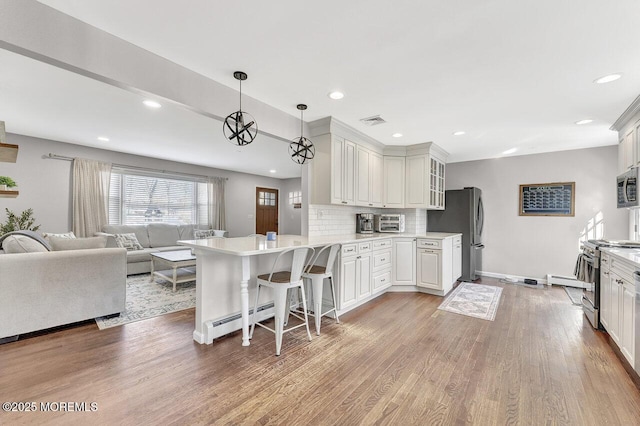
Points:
[(464, 214)]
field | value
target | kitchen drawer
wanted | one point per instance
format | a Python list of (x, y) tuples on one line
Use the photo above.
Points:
[(380, 244), (382, 259), (622, 268), (457, 240), (381, 281), (364, 247), (349, 250), (424, 243)]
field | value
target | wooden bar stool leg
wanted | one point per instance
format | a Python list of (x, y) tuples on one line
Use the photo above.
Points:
[(333, 295), (316, 287)]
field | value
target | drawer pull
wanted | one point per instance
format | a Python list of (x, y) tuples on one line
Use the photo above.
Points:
[(383, 280), (383, 259)]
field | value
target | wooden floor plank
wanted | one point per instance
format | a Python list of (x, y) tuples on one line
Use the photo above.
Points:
[(396, 361)]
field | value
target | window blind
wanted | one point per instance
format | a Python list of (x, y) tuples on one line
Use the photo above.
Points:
[(142, 197)]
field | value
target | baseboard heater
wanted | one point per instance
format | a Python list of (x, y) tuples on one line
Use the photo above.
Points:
[(565, 281), (222, 326)]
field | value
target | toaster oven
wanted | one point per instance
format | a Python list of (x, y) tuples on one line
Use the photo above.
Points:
[(389, 222)]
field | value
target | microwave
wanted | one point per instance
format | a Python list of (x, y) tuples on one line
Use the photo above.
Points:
[(389, 222), (628, 189)]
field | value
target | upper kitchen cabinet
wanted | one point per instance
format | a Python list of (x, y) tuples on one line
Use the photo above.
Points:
[(628, 128), (347, 167), (425, 176), (8, 152), (393, 175)]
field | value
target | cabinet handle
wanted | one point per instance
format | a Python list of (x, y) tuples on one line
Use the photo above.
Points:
[(344, 202), (370, 205), (359, 257), (605, 273), (383, 259), (383, 280)]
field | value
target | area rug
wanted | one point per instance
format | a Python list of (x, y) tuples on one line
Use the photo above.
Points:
[(473, 300), (148, 299)]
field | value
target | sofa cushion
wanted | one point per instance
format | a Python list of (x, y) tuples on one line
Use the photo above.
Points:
[(69, 234), (128, 241), (143, 255), (186, 232), (162, 234), (139, 230), (18, 243), (65, 243)]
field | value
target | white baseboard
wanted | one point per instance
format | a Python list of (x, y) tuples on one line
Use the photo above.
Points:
[(507, 276)]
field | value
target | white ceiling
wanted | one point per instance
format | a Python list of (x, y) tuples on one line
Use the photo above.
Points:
[(509, 74)]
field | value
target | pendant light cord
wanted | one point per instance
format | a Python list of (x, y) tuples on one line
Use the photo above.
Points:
[(301, 121), (240, 95)]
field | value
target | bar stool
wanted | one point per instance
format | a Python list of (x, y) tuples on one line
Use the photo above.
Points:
[(281, 282), (317, 274)]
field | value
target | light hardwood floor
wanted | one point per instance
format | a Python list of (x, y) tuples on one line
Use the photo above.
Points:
[(397, 360)]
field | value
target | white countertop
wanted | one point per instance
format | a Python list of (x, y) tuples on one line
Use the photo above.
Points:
[(630, 255), (248, 246)]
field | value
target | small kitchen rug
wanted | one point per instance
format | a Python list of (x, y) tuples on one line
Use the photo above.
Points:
[(474, 300), (148, 299)]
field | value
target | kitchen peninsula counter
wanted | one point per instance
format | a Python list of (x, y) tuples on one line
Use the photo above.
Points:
[(225, 268)]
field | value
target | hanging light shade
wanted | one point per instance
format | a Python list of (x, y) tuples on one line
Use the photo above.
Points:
[(240, 127), (301, 149)]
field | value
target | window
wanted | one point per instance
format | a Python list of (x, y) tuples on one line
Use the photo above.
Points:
[(142, 197), (266, 198), (295, 198)]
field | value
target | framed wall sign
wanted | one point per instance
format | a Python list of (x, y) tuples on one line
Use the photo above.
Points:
[(548, 199)]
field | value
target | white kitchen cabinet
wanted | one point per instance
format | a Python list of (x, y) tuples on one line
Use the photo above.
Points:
[(605, 291), (416, 190), (436, 183), (456, 262), (394, 178), (355, 274), (375, 180), (381, 260), (368, 178), (428, 272), (627, 320), (617, 303), (343, 171), (404, 262), (435, 264)]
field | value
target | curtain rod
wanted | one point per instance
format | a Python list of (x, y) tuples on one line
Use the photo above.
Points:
[(146, 169)]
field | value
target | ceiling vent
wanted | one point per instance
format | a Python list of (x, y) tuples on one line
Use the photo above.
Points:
[(373, 121)]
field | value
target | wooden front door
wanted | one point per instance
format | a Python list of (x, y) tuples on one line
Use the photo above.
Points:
[(266, 210)]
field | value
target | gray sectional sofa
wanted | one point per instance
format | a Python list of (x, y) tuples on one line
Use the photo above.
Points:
[(154, 237), (47, 289)]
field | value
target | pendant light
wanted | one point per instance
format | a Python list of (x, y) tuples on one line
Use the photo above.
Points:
[(240, 127), (301, 149)]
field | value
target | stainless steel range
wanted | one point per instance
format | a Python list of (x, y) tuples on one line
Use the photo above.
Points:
[(591, 294)]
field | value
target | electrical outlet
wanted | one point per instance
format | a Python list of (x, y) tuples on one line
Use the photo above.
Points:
[(250, 216)]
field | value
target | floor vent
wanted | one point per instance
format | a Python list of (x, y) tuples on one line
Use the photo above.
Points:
[(373, 121), (566, 281)]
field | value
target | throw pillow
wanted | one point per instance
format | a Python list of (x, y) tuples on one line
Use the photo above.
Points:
[(128, 241), (64, 243), (31, 234), (22, 244), (199, 234)]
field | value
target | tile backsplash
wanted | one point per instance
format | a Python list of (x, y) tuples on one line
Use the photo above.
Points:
[(340, 220)]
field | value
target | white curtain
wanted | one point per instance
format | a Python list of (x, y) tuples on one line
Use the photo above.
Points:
[(90, 196), (217, 216)]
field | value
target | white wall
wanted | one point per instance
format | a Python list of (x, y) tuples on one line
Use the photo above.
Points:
[(536, 246), (45, 184)]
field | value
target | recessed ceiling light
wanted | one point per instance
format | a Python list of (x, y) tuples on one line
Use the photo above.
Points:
[(103, 138), (272, 171), (459, 133), (587, 121), (151, 104), (608, 78), (336, 95), (397, 135), (510, 151)]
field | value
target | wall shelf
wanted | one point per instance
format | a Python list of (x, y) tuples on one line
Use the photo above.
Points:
[(8, 153), (9, 194)]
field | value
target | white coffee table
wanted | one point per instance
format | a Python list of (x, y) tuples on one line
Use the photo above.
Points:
[(181, 266)]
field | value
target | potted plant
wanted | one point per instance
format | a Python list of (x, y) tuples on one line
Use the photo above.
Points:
[(22, 221), (6, 182)]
